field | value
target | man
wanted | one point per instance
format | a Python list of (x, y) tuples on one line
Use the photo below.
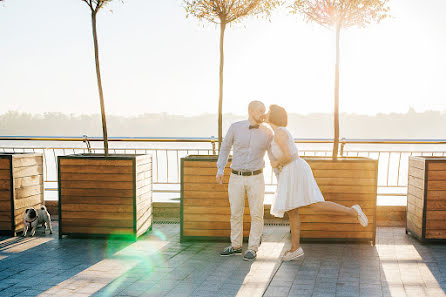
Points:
[(250, 140)]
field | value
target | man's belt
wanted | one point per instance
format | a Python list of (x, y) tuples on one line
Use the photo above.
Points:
[(247, 173)]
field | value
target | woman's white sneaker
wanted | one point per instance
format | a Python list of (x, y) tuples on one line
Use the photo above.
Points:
[(362, 218), (293, 255)]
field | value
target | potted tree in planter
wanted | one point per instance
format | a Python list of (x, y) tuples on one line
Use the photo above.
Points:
[(345, 180), (204, 204), (104, 194)]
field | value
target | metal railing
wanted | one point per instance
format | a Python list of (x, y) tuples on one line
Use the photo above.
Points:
[(392, 163)]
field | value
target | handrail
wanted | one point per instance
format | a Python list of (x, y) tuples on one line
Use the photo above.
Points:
[(213, 139)]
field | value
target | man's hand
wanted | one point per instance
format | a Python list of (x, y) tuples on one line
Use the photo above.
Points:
[(219, 178), (274, 163)]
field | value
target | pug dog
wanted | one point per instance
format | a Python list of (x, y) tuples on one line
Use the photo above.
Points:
[(33, 218)]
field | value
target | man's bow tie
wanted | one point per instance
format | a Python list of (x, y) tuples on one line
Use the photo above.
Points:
[(253, 127)]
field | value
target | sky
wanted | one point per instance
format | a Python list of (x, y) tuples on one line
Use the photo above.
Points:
[(155, 60)]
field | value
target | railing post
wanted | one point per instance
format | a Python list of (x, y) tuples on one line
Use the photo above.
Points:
[(87, 142), (342, 147), (213, 145)]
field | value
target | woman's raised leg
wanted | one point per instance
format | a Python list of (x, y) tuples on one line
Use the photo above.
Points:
[(335, 207)]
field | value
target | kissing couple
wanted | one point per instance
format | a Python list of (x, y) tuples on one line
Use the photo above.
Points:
[(250, 140)]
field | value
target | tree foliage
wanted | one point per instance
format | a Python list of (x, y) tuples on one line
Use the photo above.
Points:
[(342, 13), (227, 11), (96, 5)]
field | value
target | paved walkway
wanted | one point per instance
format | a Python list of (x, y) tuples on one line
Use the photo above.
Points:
[(159, 265)]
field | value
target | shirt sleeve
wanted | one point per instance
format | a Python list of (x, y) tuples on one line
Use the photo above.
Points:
[(224, 150), (268, 149)]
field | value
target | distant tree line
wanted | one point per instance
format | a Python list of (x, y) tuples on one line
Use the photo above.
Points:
[(429, 124)]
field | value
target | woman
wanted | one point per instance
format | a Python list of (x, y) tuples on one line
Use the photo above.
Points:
[(296, 185)]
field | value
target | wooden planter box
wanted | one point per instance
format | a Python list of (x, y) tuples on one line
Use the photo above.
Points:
[(347, 181), (105, 195), (21, 187), (205, 212), (426, 198)]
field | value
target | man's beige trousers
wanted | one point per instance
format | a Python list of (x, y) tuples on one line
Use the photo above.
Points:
[(254, 187)]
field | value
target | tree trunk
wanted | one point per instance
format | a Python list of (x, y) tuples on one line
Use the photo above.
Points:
[(336, 95), (98, 74), (220, 97)]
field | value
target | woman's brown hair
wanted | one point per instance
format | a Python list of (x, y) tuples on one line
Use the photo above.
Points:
[(278, 116)]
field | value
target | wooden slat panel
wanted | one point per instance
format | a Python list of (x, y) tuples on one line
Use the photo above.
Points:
[(93, 162), (417, 162), (92, 222), (418, 202), (200, 179), (96, 230), (436, 175), (416, 192), (141, 229), (336, 234), (26, 161), (335, 227), (310, 210), (27, 202), (416, 172), (66, 184), (437, 166), (4, 163), (144, 175), (28, 181), (205, 195), (206, 202), (436, 185), (141, 212), (28, 191), (95, 169), (116, 209), (346, 181), (348, 189), (414, 228), (5, 226), (203, 164), (436, 234), (5, 174), (5, 184), (97, 200), (209, 210), (213, 225), (98, 215), (417, 182), (349, 196), (5, 195), (5, 215), (96, 176), (344, 165), (319, 173), (435, 225), (436, 215), (143, 160), (211, 233), (97, 192), (436, 205), (436, 195), (144, 168), (213, 218), (27, 171), (5, 204), (205, 187), (204, 171), (311, 218)]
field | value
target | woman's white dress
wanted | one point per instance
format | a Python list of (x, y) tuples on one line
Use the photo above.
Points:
[(296, 184)]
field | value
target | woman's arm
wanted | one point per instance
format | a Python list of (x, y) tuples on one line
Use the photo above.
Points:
[(281, 138)]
